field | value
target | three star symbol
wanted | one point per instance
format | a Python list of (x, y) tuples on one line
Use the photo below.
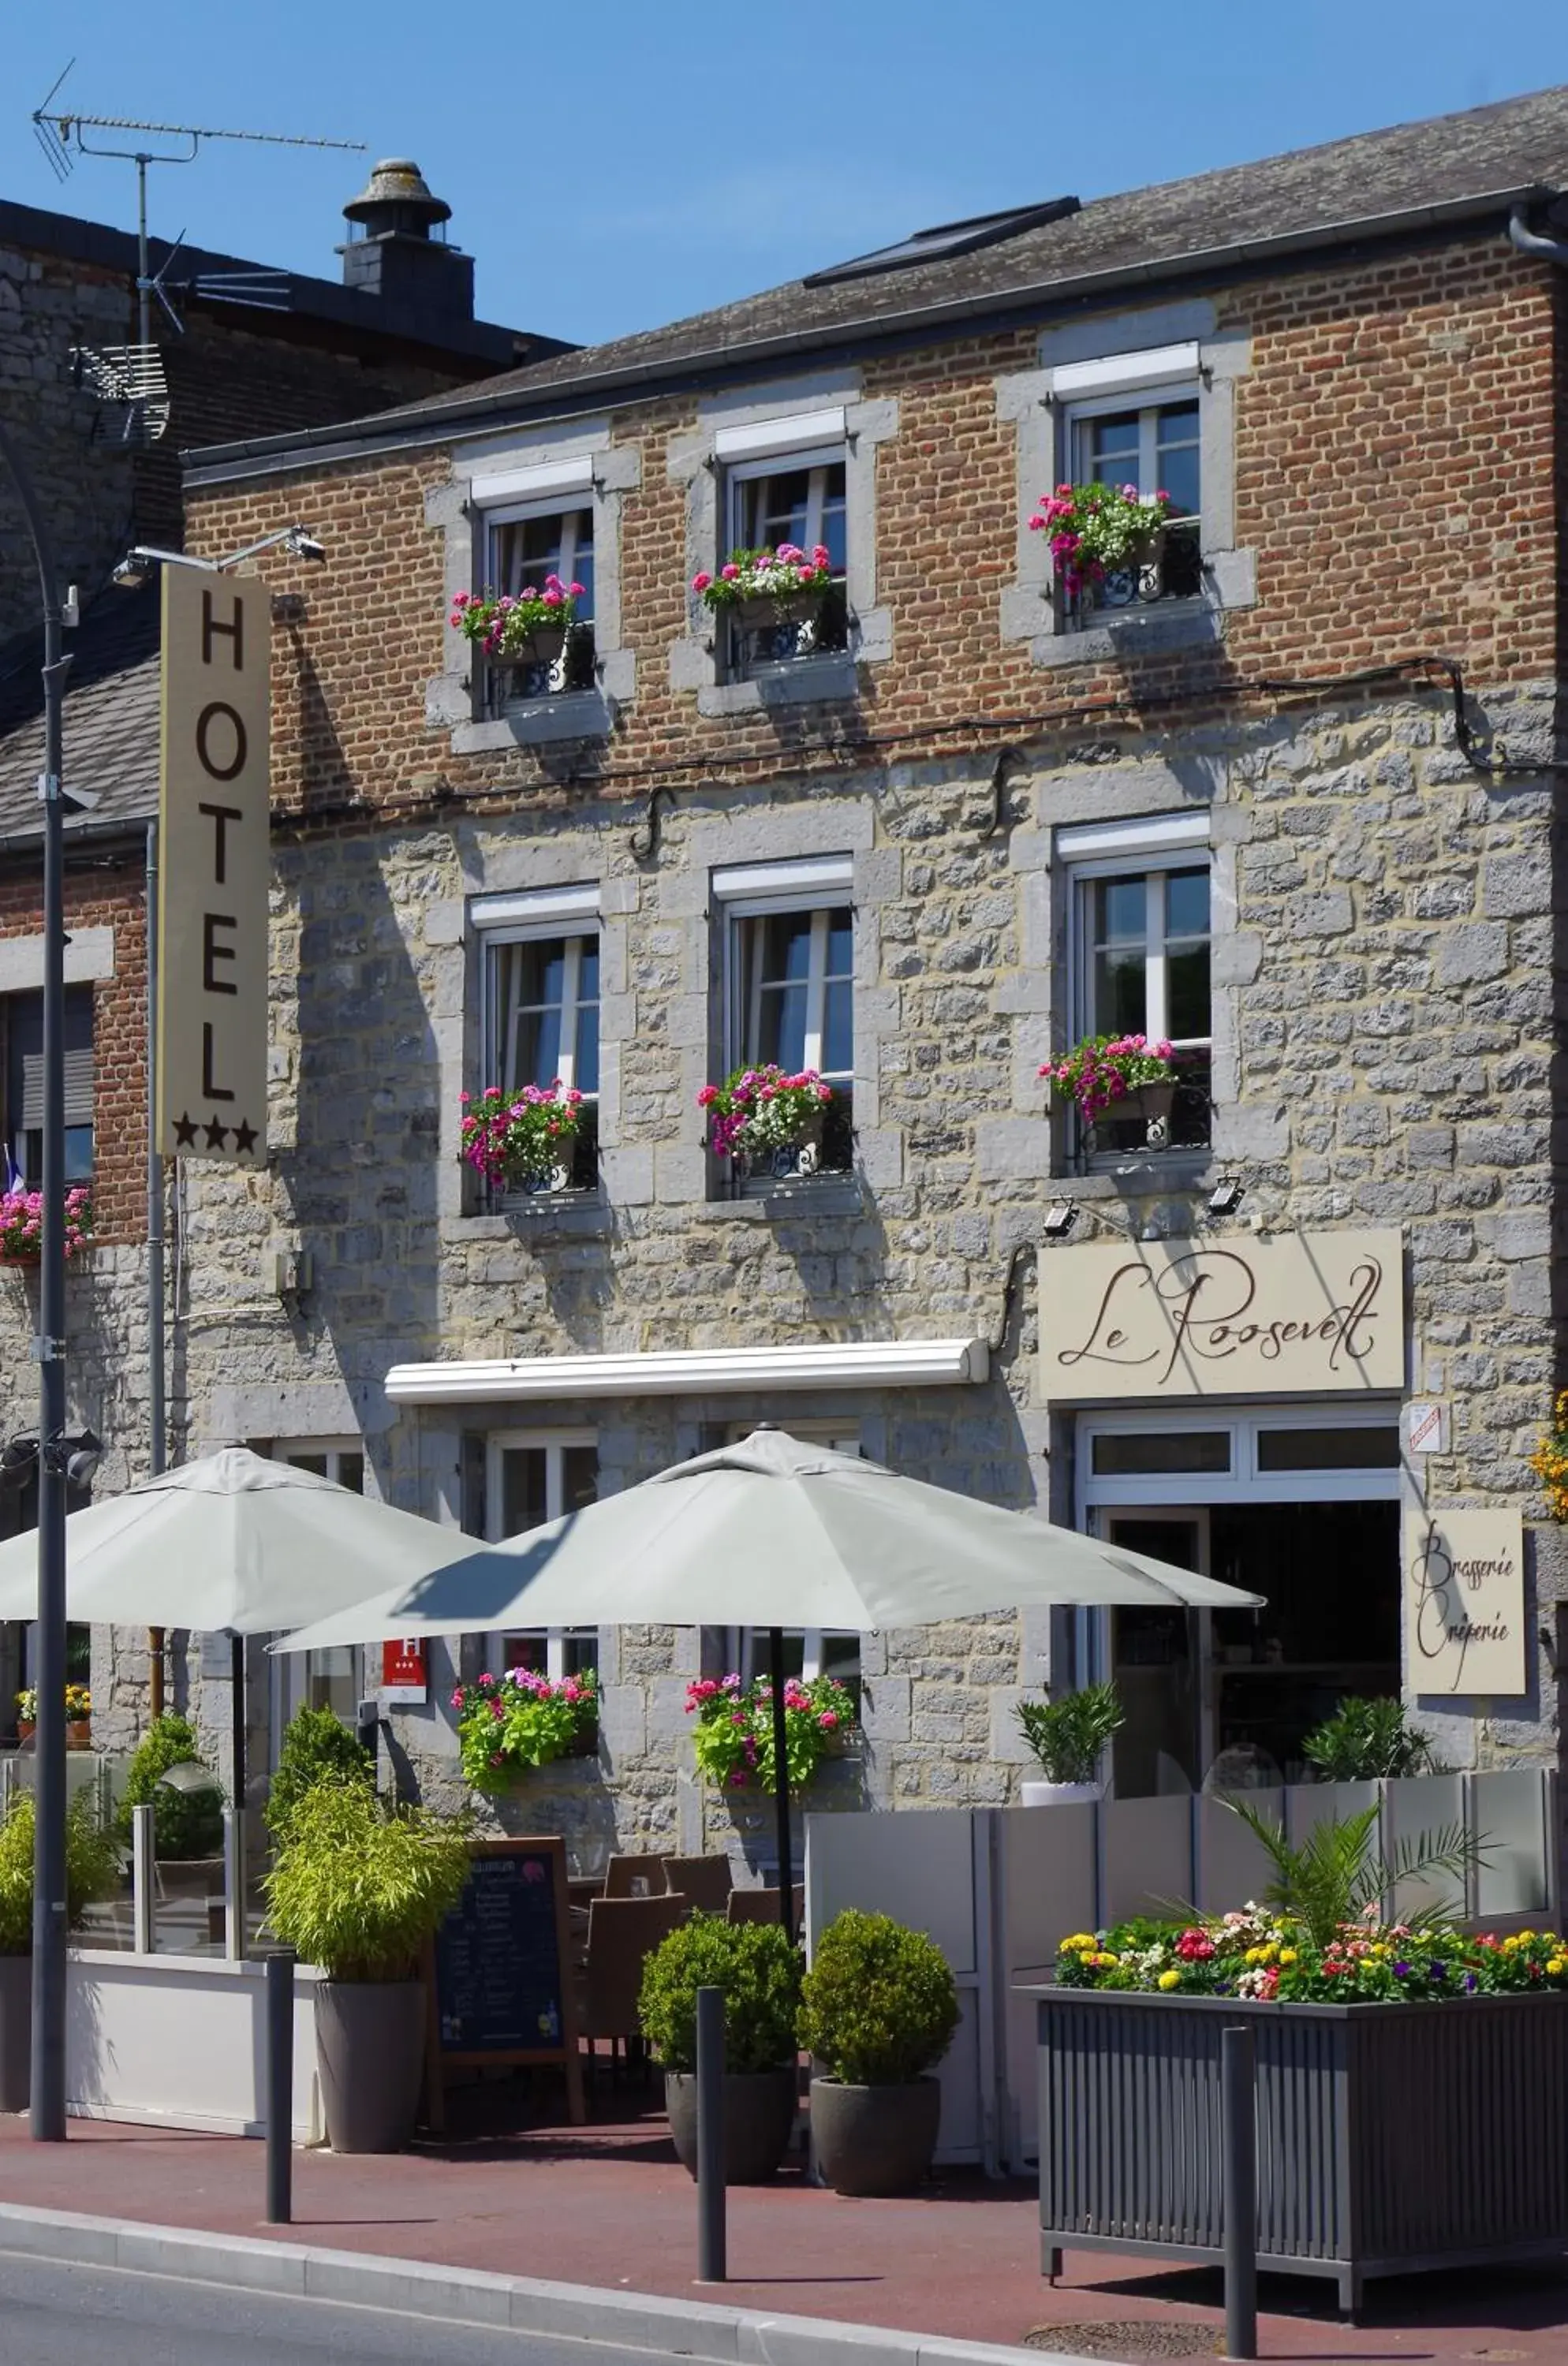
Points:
[(188, 1128)]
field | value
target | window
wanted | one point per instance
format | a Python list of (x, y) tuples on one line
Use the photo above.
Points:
[(1154, 446), (1141, 935), (802, 499), (540, 957), (24, 1085), (523, 546), (532, 1478), (329, 1679), (807, 1651), (789, 988)]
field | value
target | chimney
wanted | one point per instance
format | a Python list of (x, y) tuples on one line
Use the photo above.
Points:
[(396, 260)]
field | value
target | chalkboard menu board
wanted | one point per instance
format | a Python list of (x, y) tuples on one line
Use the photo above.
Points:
[(500, 1975)]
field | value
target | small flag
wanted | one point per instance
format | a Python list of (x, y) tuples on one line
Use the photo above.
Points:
[(13, 1172)]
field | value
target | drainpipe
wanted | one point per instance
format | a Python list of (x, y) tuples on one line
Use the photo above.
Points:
[(157, 1454), (1530, 242)]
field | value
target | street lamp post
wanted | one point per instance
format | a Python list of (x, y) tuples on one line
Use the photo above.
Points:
[(49, 1347)]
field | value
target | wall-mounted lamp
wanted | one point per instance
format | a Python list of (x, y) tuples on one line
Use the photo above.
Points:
[(1226, 1195), (137, 565), (1061, 1220)]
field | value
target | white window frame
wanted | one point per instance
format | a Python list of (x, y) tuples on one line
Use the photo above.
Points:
[(1148, 401), (543, 916), (785, 463), (756, 892), (550, 505), (1245, 1482), (291, 1671), (552, 1443)]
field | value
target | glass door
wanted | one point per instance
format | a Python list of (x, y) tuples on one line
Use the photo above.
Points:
[(1157, 1659)]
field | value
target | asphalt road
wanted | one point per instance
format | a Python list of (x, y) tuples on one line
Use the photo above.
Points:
[(54, 2315)]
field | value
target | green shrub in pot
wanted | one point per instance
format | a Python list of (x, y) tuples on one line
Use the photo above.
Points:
[(317, 1747), (759, 1972), (359, 1888), (92, 1871), (185, 1824), (1366, 1739), (878, 2011), (1069, 1736)]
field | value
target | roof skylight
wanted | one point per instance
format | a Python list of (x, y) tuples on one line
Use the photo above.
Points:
[(945, 238)]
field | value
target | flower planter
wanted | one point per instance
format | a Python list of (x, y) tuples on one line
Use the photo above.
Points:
[(790, 1162), (1147, 1107), (79, 1733), (874, 2140), (1392, 2138), (370, 2051), (25, 1728), (1037, 1793), (759, 2118)]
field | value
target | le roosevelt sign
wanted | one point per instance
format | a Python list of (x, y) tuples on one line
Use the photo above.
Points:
[(1301, 1313), (213, 835)]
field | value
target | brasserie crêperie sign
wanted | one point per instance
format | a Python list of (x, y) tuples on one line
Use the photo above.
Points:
[(1297, 1314)]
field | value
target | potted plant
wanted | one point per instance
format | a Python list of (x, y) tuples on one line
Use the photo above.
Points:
[(507, 1724), (878, 2010), (768, 586), (767, 1119), (26, 1713), (1104, 539), (359, 1888), (92, 1871), (78, 1717), (1122, 1076), (1068, 1737), (1367, 1740), (528, 628), (759, 1972), (734, 1733), (187, 1819), (1550, 1460), (523, 1140), (21, 1224), (317, 1747)]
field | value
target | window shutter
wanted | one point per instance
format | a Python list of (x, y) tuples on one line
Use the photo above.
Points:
[(78, 1089)]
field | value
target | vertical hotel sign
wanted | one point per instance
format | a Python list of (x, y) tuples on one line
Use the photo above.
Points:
[(213, 833)]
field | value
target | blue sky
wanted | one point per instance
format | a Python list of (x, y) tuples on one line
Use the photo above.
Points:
[(618, 163)]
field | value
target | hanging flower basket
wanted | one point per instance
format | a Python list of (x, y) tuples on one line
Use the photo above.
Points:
[(1104, 539), (1116, 1076), (509, 626), (760, 585), (523, 1140), (734, 1736), (766, 1120), (21, 1224), (511, 1724)]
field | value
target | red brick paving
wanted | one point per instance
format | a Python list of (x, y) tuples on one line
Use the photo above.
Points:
[(609, 2205)]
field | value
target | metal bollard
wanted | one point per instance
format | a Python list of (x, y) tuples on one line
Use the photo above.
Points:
[(711, 2262), (279, 2087), (143, 1882), (1239, 2170), (234, 1884)]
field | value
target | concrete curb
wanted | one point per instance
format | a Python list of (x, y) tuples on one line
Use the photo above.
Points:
[(669, 2328)]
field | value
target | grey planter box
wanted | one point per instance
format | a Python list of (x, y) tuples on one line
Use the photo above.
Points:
[(1390, 2138)]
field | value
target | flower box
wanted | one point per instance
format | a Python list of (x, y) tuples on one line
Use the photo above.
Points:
[(1392, 2138)]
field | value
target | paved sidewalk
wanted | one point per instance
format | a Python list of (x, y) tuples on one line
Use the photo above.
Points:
[(608, 2205)]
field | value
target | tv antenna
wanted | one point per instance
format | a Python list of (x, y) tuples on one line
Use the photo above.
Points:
[(134, 375)]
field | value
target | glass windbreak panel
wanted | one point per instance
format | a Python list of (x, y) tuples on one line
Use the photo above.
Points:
[(524, 551), (1374, 1448), (1119, 926), (332, 1681), (1125, 1454), (1176, 457)]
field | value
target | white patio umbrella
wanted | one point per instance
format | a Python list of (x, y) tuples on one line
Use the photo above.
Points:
[(771, 1532), (230, 1544)]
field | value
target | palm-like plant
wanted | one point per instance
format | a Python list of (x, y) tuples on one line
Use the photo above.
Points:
[(1340, 1871)]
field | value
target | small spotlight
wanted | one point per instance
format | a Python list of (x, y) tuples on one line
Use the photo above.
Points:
[(1227, 1197), (132, 572), (301, 545), (1061, 1220), (83, 1457)]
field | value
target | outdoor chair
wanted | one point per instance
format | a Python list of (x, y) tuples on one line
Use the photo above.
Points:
[(705, 1881), (623, 1873), (622, 1931), (762, 1905)]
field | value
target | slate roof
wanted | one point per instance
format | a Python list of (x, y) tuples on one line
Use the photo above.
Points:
[(111, 715), (1349, 189)]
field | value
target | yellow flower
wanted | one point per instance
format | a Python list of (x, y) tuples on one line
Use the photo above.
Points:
[(1511, 1946), (1089, 1959), (1556, 1966), (1287, 1955), (1079, 1938), (1526, 1936), (1169, 1980), (1253, 1956)]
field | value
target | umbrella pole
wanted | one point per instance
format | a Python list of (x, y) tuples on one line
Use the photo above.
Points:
[(780, 1781), (237, 1708)]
